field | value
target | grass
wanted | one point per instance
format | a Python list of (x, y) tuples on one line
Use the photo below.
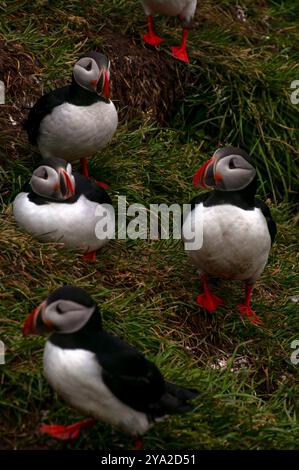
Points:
[(235, 91)]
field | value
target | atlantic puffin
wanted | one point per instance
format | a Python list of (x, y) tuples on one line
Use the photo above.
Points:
[(77, 120), (59, 206), (184, 9), (98, 373), (237, 228)]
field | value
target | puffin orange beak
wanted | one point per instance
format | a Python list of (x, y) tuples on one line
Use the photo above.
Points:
[(105, 91), (200, 176), (34, 324), (66, 185), (29, 327), (106, 88)]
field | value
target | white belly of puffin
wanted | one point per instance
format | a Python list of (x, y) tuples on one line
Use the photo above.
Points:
[(72, 132), (74, 224), (77, 377), (166, 7), (236, 242)]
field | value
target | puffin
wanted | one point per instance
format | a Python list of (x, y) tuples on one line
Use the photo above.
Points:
[(79, 119), (237, 228), (96, 372), (184, 9), (59, 206)]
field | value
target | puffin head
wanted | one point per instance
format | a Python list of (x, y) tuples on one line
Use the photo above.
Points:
[(53, 179), (66, 310), (229, 169), (92, 72)]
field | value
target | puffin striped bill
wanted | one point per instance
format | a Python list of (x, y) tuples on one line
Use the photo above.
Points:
[(30, 322), (66, 185), (199, 177), (106, 91), (34, 323)]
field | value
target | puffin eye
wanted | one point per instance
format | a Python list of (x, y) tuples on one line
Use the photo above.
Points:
[(45, 174), (88, 66), (59, 309), (231, 164)]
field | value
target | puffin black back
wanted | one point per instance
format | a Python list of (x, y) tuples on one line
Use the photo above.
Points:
[(44, 106)]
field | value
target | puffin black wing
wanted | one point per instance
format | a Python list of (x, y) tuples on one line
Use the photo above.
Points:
[(91, 190), (267, 214), (130, 376), (138, 382), (44, 105)]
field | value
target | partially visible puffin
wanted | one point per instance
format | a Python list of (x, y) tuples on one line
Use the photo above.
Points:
[(60, 206), (77, 120), (184, 9), (98, 373), (237, 228)]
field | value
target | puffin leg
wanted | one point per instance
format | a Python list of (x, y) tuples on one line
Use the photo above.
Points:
[(84, 171), (245, 308), (65, 433), (84, 167), (138, 444), (180, 52), (90, 256), (150, 37), (103, 185), (208, 301)]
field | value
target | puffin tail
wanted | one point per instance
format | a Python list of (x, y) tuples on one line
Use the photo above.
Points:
[(176, 399)]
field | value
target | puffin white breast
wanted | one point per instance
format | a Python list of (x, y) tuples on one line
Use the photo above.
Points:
[(236, 242), (74, 132), (77, 376)]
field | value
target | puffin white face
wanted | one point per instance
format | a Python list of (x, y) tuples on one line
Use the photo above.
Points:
[(90, 76), (227, 170), (66, 316), (66, 310), (233, 173), (62, 316), (55, 183)]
